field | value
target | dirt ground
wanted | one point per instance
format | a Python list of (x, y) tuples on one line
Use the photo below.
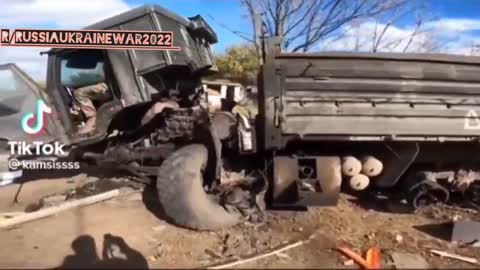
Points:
[(80, 237)]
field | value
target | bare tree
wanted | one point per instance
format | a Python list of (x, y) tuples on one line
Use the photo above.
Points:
[(302, 24), (405, 28), (420, 33)]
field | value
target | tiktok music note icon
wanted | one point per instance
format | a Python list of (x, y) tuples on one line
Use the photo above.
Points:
[(40, 119)]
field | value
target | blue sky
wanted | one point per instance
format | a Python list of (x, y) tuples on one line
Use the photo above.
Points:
[(457, 9), (225, 12), (457, 22), (231, 14)]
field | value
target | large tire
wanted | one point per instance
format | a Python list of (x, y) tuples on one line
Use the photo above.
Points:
[(182, 196)]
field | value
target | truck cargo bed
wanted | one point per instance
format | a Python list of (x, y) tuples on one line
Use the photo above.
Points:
[(366, 96)]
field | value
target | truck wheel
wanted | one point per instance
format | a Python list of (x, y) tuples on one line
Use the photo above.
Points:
[(182, 196)]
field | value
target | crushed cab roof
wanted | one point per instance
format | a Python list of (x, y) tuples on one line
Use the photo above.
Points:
[(130, 15), (135, 13)]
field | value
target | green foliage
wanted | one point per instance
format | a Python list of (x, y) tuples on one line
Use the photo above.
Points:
[(85, 78), (238, 64)]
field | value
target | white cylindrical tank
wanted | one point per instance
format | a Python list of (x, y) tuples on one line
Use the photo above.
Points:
[(351, 166), (359, 182), (371, 166)]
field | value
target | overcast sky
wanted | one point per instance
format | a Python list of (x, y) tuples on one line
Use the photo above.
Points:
[(457, 21)]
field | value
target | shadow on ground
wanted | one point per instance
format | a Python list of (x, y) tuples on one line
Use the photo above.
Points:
[(382, 204), (441, 231), (116, 254)]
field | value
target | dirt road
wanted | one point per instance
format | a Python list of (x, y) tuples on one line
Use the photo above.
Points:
[(80, 237)]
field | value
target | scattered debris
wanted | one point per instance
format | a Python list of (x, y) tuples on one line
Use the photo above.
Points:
[(99, 186), (231, 176), (297, 229), (237, 245), (371, 262), (354, 256), (461, 209), (349, 262), (212, 254), (398, 238), (455, 256), (160, 250), (48, 201), (54, 200), (56, 209), (408, 261), (373, 258), (257, 257), (283, 256), (152, 258), (118, 179), (475, 244)]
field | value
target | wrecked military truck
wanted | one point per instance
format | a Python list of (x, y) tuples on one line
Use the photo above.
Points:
[(151, 119), (403, 125), (323, 122)]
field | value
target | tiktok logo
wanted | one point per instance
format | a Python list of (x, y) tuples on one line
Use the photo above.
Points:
[(40, 121)]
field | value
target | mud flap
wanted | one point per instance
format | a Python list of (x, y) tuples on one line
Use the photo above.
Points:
[(324, 177), (397, 159)]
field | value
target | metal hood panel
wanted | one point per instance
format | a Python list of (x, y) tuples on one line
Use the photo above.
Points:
[(18, 96)]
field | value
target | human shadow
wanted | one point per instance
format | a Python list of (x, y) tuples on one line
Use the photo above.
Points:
[(85, 254), (116, 254)]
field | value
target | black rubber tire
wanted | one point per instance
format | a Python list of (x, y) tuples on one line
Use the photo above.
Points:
[(182, 196)]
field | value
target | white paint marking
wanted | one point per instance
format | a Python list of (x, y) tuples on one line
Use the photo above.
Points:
[(472, 122)]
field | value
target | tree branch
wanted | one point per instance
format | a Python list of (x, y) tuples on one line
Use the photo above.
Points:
[(413, 35), (238, 33), (304, 23)]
